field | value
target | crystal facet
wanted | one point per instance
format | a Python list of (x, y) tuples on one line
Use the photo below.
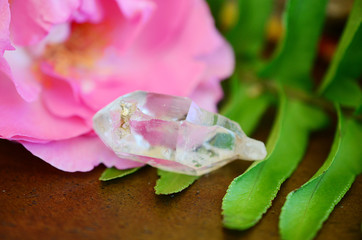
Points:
[(172, 133)]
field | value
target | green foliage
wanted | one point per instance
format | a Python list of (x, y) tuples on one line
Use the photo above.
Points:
[(113, 173), (308, 207), (248, 36), (340, 83), (294, 58), (250, 195), (170, 182), (247, 105)]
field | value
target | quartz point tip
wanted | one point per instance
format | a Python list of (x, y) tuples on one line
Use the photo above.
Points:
[(172, 133)]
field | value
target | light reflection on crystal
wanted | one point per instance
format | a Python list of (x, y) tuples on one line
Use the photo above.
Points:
[(172, 133)]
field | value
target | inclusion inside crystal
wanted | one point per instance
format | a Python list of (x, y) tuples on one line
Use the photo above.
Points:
[(172, 133)]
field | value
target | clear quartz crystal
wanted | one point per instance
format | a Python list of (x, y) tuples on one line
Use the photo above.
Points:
[(173, 133)]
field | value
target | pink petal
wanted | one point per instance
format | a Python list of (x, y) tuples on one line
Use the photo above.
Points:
[(189, 27), (26, 84), (136, 8), (78, 154), (4, 27), (165, 25), (31, 20), (106, 92), (59, 99), (61, 96), (220, 62), (170, 74), (207, 94), (126, 19), (89, 10), (199, 35), (24, 120)]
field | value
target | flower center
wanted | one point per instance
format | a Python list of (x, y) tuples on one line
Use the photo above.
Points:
[(80, 52)]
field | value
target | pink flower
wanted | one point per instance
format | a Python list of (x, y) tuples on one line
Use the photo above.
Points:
[(61, 61)]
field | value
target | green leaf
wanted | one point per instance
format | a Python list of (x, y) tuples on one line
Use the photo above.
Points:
[(295, 55), (170, 182), (249, 195), (340, 84), (346, 92), (113, 173), (247, 106), (309, 206), (248, 36), (358, 111)]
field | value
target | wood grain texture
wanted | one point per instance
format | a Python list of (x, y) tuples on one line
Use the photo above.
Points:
[(40, 202)]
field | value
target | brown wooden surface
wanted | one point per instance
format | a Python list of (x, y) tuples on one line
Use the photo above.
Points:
[(40, 202)]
